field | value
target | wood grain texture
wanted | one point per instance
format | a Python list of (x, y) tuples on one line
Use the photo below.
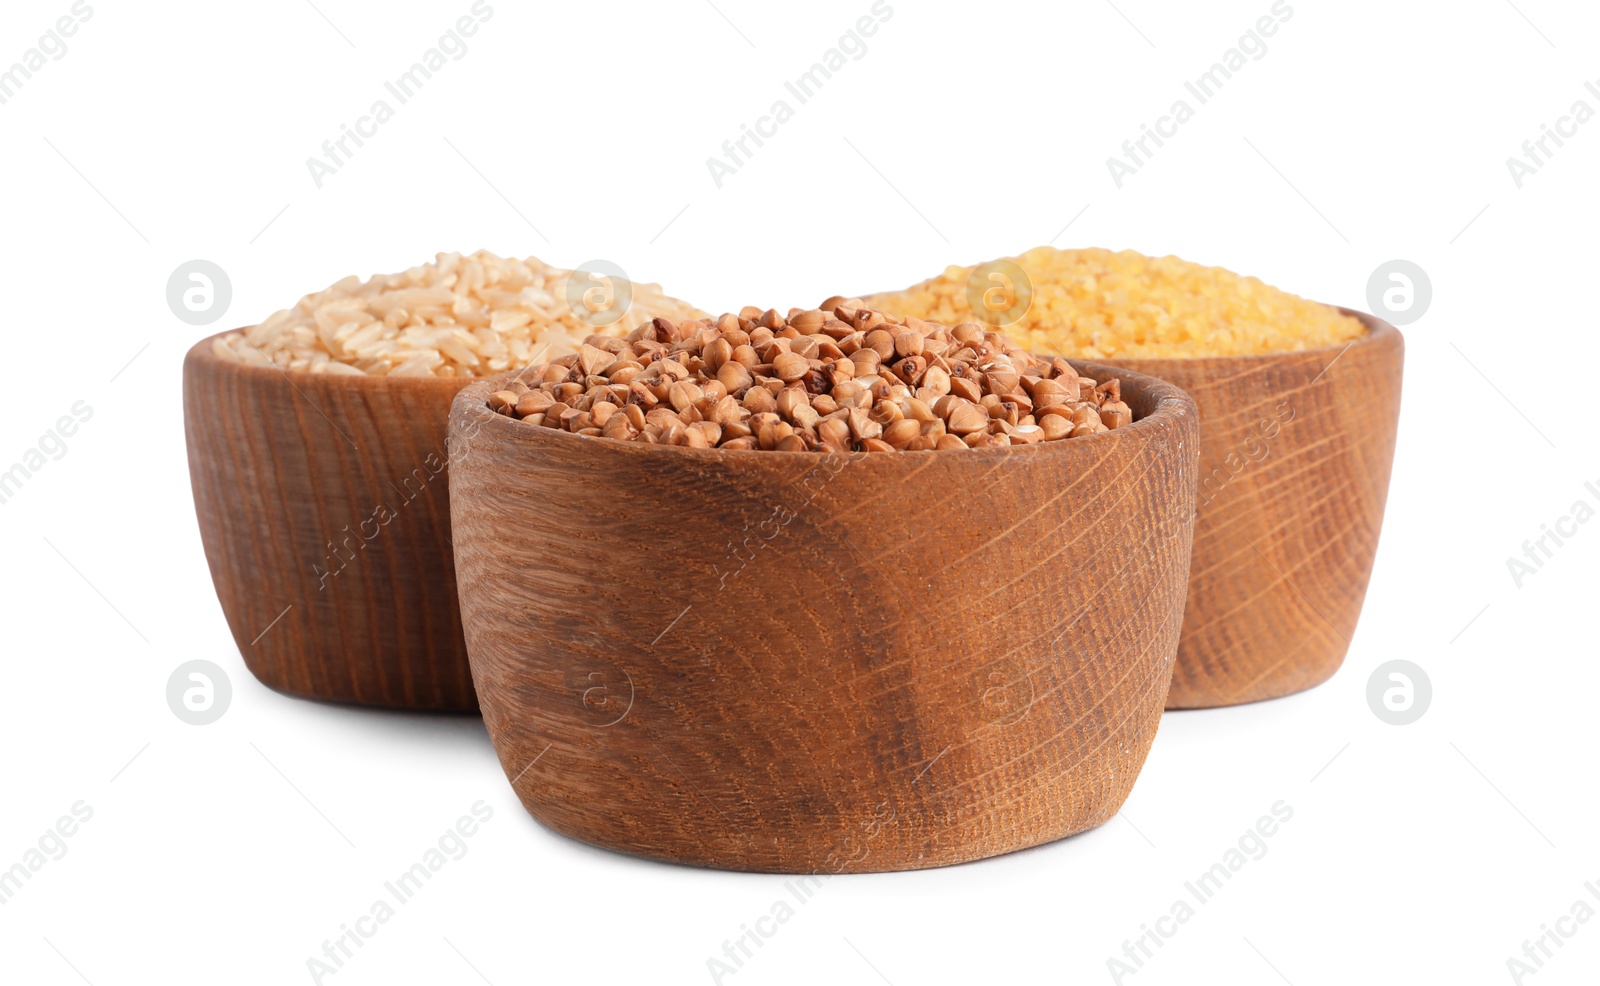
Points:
[(1296, 450), (324, 508), (795, 662)]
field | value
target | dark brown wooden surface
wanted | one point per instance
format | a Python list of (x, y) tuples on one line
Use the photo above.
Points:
[(793, 662), (1296, 450), (281, 465)]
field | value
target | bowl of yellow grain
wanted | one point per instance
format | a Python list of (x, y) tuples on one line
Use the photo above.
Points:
[(1299, 404)]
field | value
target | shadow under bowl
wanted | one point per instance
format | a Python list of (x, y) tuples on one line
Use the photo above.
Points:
[(801, 662)]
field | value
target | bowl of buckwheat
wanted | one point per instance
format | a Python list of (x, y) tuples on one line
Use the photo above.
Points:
[(820, 591)]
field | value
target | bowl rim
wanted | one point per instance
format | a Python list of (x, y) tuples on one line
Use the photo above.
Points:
[(1171, 403), (201, 354)]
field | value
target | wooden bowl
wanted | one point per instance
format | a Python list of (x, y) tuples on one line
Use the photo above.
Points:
[(796, 662), (1295, 453), (325, 514)]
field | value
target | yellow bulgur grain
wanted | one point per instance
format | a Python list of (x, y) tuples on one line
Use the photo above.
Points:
[(1099, 304)]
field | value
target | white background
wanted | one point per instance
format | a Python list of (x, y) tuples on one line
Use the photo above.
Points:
[(230, 852)]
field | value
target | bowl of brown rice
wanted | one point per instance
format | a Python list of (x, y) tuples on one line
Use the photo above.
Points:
[(317, 458)]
